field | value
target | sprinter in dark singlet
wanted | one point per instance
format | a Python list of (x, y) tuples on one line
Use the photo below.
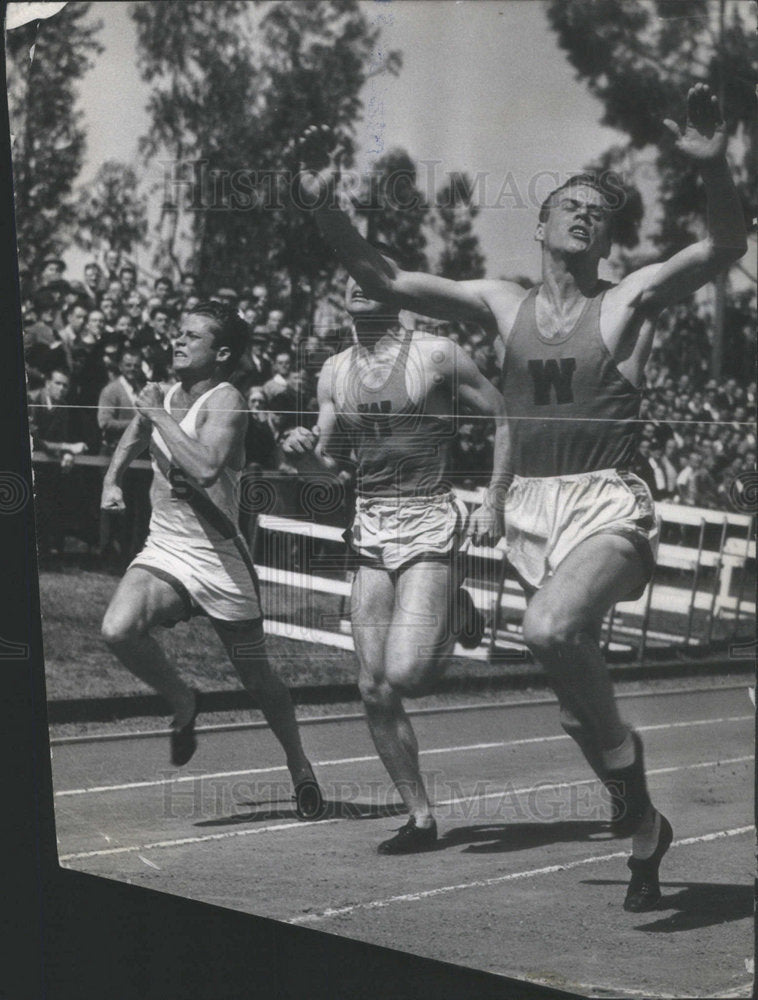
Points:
[(580, 530), (389, 400)]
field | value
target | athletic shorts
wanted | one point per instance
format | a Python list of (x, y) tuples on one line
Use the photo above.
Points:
[(392, 532), (214, 578), (546, 518)]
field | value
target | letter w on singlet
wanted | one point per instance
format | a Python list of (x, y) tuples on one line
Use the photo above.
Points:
[(547, 374), (378, 414)]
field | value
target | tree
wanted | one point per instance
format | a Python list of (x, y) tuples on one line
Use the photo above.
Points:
[(394, 209), (110, 212), (454, 223), (48, 137), (233, 86), (640, 58)]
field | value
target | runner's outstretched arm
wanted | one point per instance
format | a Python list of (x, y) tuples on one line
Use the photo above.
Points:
[(704, 141), (379, 277)]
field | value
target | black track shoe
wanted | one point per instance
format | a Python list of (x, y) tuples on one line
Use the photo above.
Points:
[(309, 802), (628, 790), (644, 892), (410, 839), (183, 739), (467, 620)]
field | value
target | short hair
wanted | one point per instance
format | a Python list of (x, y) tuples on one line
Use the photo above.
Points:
[(605, 185), (76, 304), (230, 328), (160, 309), (128, 267), (162, 279)]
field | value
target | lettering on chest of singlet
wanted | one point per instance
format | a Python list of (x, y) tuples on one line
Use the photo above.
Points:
[(552, 379), (376, 415)]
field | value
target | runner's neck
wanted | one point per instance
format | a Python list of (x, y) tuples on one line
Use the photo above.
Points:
[(193, 388)]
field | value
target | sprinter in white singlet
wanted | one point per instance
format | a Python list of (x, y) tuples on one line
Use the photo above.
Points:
[(195, 560)]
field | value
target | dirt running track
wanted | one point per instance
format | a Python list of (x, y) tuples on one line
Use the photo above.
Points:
[(526, 881)]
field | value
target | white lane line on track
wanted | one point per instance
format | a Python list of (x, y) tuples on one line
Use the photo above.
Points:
[(229, 727), (412, 897), (458, 800), (185, 841), (156, 783)]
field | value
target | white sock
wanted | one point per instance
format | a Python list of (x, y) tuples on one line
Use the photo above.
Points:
[(620, 756), (645, 840)]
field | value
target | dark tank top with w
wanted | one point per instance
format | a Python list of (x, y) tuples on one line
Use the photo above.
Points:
[(400, 450), (570, 409)]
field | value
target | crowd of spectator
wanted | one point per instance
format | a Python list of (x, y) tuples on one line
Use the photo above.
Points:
[(90, 345)]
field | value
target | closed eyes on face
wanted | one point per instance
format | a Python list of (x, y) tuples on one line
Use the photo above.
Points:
[(596, 212)]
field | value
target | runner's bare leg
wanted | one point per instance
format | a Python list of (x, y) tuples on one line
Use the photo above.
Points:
[(141, 601)]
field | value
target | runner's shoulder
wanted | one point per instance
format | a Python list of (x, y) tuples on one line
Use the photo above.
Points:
[(227, 399)]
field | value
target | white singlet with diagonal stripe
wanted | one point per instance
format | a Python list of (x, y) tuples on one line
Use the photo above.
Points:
[(169, 494)]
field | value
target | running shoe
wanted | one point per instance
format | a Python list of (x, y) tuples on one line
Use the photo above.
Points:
[(629, 796), (183, 739), (410, 839), (467, 620), (644, 891), (309, 802)]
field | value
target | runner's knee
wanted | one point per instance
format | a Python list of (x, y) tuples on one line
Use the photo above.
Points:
[(376, 692), (551, 630), (411, 680), (118, 628)]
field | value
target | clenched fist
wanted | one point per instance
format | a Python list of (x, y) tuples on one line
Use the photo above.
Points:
[(318, 155), (149, 399), (112, 498)]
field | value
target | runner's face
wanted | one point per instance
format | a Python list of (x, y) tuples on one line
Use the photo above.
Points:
[(578, 223), (357, 304), (194, 348)]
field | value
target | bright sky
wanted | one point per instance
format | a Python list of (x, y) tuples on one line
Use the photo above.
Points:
[(483, 88)]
